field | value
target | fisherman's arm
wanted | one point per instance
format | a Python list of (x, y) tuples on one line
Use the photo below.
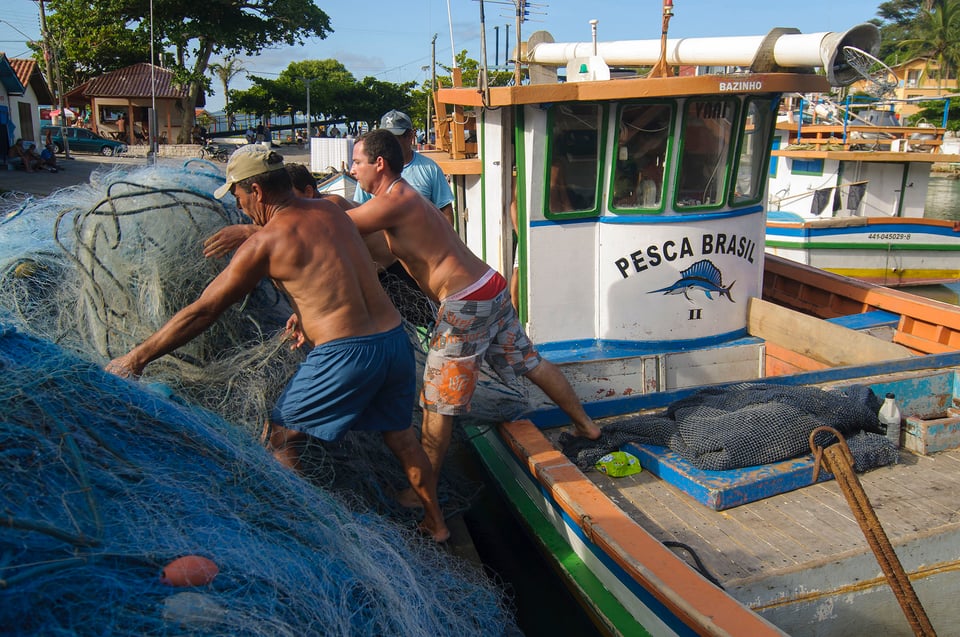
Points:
[(448, 213), (228, 239), (380, 213), (237, 280)]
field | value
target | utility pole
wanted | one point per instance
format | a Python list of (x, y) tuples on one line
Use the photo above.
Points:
[(50, 54), (506, 45), (307, 81), (433, 82), (517, 70)]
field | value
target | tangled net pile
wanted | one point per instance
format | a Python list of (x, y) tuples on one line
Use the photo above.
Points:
[(106, 482), (96, 269), (99, 267)]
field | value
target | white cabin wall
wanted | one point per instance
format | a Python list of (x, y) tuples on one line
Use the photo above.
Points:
[(489, 234), (794, 192), (469, 211), (495, 136), (915, 193), (561, 258)]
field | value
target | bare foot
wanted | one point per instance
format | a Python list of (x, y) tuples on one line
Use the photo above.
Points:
[(590, 431), (440, 534), (409, 499)]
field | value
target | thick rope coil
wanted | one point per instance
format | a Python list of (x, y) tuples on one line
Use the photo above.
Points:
[(837, 460)]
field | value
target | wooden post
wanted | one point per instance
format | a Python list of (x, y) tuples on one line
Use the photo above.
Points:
[(661, 68)]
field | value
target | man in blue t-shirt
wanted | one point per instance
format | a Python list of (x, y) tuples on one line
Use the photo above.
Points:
[(419, 171)]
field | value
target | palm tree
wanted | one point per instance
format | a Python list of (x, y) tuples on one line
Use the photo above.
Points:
[(936, 36), (226, 71)]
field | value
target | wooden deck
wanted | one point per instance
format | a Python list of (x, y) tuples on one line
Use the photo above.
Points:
[(805, 539)]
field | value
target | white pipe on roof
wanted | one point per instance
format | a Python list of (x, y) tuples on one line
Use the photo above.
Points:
[(790, 50)]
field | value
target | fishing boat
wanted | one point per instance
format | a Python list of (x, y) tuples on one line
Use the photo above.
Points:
[(641, 271), (849, 195)]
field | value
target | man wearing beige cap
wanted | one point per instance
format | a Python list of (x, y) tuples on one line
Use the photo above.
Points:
[(360, 373)]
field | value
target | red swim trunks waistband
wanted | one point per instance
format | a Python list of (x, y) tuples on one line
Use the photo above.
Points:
[(485, 288)]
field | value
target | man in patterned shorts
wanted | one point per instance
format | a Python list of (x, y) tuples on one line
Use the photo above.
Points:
[(476, 320)]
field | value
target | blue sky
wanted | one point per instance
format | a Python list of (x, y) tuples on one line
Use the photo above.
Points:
[(391, 40)]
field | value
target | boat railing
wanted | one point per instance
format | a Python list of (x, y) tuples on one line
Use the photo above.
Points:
[(783, 196), (826, 137)]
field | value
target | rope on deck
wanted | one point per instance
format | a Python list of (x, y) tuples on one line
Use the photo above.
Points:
[(838, 461)]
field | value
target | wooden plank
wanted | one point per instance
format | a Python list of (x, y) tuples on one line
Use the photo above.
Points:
[(806, 528), (825, 342)]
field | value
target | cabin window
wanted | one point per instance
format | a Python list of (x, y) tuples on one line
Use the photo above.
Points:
[(812, 167), (643, 131), (704, 156), (573, 167), (754, 146)]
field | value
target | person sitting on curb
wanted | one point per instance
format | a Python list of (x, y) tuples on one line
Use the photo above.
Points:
[(27, 157)]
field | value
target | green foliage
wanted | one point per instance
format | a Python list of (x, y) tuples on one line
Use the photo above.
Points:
[(194, 31), (87, 45), (935, 34), (932, 112), (895, 22), (335, 95)]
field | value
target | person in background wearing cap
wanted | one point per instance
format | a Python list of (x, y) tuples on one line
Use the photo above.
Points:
[(419, 171), (361, 372), (476, 321)]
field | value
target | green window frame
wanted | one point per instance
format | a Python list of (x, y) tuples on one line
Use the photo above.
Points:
[(573, 167)]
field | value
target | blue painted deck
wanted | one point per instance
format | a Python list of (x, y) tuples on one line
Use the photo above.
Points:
[(720, 490)]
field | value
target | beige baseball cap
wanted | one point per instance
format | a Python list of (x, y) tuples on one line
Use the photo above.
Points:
[(249, 161)]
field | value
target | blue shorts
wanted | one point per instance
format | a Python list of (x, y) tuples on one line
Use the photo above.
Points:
[(364, 383)]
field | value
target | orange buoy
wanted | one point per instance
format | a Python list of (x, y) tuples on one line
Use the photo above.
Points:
[(189, 570)]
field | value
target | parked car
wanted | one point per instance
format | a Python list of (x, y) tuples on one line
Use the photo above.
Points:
[(83, 140)]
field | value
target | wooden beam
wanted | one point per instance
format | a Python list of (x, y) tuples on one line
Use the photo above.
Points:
[(822, 341)]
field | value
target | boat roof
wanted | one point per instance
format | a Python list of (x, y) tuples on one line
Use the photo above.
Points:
[(634, 88)]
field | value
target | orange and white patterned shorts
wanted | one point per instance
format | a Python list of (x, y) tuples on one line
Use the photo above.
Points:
[(467, 333)]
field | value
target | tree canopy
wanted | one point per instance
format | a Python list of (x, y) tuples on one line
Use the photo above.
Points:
[(191, 32), (335, 95)]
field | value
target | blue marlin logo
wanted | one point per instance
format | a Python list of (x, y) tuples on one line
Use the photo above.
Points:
[(702, 275)]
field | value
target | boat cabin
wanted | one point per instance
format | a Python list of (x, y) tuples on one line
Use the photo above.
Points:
[(640, 206)]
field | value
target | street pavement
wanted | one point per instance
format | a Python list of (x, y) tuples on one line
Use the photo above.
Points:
[(80, 166)]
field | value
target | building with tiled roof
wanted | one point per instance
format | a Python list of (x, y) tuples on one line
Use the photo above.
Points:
[(22, 91), (129, 93)]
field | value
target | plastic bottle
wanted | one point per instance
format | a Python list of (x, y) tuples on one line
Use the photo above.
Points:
[(890, 419)]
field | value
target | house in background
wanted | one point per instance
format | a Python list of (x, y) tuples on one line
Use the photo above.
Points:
[(917, 79), (36, 94), (22, 91), (128, 94)]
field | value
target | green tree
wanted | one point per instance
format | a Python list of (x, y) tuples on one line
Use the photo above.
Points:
[(195, 31), (225, 71), (87, 46), (935, 35), (329, 82), (262, 99), (368, 100), (896, 20)]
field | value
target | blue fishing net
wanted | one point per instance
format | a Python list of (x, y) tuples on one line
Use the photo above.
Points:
[(105, 482)]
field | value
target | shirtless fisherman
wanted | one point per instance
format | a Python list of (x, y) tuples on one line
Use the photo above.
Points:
[(476, 320), (361, 372)]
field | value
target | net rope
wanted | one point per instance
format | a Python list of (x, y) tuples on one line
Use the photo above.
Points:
[(746, 425)]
